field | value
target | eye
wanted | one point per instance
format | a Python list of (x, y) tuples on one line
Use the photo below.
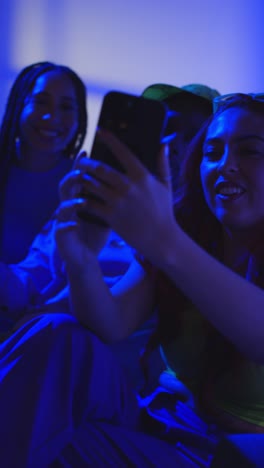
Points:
[(211, 153), (69, 107), (251, 152), (37, 101)]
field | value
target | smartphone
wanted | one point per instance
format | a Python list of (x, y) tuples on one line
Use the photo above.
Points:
[(141, 123)]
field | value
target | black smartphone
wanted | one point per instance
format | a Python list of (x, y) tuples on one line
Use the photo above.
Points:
[(141, 123)]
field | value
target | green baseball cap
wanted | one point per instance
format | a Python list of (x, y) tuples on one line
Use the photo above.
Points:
[(165, 92)]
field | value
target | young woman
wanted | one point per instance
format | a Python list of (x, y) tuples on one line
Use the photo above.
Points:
[(43, 128), (199, 261)]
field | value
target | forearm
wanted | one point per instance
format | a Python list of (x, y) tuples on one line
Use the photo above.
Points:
[(111, 314), (92, 302), (232, 304)]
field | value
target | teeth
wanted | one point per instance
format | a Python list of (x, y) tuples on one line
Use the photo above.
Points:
[(230, 190), (49, 133)]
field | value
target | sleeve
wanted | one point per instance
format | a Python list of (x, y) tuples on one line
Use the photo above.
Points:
[(22, 284)]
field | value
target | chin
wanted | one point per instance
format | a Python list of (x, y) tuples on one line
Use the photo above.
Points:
[(50, 149), (242, 226), (233, 224)]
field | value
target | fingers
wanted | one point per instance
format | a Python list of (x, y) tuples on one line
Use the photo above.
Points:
[(132, 165), (72, 211), (71, 185), (105, 189), (68, 209), (125, 156), (80, 158), (105, 174), (134, 170)]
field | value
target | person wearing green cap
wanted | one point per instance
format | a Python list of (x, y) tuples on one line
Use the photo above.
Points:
[(192, 104)]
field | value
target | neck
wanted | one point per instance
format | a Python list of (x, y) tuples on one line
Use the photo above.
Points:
[(239, 246), (37, 161), (235, 255)]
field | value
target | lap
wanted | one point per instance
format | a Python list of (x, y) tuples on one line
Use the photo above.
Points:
[(64, 401), (55, 374), (101, 444)]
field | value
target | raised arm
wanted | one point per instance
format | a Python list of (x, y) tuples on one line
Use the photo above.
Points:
[(111, 315), (139, 208), (231, 303)]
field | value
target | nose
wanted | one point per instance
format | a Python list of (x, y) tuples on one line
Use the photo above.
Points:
[(229, 162), (46, 116), (50, 113)]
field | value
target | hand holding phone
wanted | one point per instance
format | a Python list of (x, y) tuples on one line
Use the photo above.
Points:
[(140, 123)]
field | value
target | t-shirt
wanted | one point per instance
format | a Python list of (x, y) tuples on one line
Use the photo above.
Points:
[(236, 387), (30, 200)]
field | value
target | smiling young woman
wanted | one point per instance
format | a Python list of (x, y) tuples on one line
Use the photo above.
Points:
[(43, 129)]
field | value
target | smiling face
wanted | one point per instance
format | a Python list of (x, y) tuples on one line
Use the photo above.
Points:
[(232, 169), (49, 119)]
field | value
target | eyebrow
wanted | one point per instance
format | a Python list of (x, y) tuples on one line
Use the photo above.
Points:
[(44, 93), (251, 137), (238, 139)]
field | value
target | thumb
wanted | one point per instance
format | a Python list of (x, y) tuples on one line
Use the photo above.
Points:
[(164, 172)]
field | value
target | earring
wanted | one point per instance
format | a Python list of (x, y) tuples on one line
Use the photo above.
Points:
[(78, 139)]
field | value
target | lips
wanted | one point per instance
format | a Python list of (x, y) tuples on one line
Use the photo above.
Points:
[(229, 190), (48, 133)]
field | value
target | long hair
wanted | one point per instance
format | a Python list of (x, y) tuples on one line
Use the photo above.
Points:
[(190, 208), (193, 215), (20, 90)]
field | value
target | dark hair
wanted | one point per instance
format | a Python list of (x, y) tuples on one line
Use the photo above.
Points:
[(194, 216), (21, 87), (188, 104), (194, 112), (190, 207)]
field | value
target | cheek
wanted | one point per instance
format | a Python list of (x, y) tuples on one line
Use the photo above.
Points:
[(27, 114), (72, 125), (23, 121), (207, 181), (256, 188), (203, 174)]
